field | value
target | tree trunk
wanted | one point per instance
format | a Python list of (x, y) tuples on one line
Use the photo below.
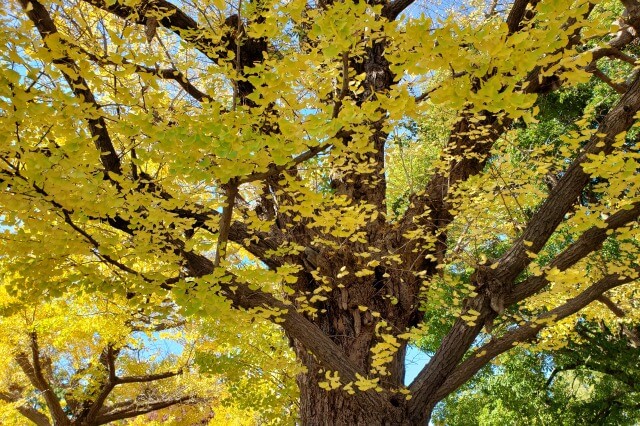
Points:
[(336, 407), (319, 406)]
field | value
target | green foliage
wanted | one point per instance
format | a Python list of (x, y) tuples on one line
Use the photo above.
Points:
[(594, 382)]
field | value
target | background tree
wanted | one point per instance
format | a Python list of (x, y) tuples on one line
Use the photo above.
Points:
[(233, 155), (591, 382)]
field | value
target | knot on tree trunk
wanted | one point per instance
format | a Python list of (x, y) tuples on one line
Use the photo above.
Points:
[(492, 288)]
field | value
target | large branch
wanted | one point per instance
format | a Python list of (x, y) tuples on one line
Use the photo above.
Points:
[(473, 137), (40, 17), (35, 416), (297, 326), (527, 331), (138, 409), (241, 296), (40, 419), (452, 349), (456, 343), (493, 285), (587, 243), (516, 15), (147, 378), (395, 7), (467, 150), (108, 359), (564, 195), (32, 368)]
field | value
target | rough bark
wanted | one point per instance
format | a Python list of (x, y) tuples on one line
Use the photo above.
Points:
[(336, 407)]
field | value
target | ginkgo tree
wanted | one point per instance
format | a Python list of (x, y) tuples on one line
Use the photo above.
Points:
[(91, 360), (231, 155)]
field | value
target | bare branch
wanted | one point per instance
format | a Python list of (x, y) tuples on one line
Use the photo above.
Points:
[(612, 306), (618, 87), (631, 333), (612, 52)]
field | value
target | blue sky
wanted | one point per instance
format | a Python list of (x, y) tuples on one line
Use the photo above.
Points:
[(414, 360)]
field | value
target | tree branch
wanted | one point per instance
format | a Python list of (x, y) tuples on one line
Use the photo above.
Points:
[(516, 15), (147, 378), (493, 285), (167, 74), (30, 413), (394, 8), (618, 87), (108, 359), (612, 306), (238, 233), (587, 243), (295, 324), (564, 195), (527, 331), (173, 18), (40, 17), (33, 370), (225, 221), (632, 334), (275, 170), (138, 409)]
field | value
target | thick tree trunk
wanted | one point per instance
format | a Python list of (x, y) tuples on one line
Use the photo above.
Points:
[(319, 407), (346, 317), (337, 407)]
